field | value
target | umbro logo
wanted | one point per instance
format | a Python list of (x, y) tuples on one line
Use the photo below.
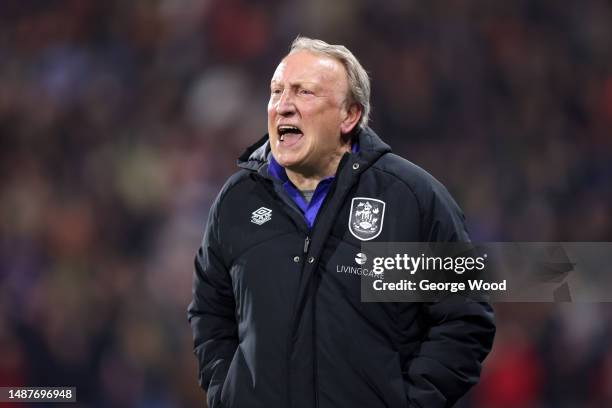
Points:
[(261, 215)]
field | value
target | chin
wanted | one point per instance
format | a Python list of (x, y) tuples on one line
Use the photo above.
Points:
[(288, 160), (288, 164)]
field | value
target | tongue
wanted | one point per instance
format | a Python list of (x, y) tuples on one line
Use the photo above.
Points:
[(289, 139)]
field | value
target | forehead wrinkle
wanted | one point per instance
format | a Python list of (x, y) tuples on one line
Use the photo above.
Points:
[(331, 69)]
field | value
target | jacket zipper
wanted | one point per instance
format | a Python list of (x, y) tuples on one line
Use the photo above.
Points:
[(314, 333), (303, 265), (330, 194), (307, 241)]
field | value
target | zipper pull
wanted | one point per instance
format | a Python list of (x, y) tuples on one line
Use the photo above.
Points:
[(306, 244)]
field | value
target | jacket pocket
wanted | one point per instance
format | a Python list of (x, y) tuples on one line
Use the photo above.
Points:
[(384, 379), (230, 380), (237, 390)]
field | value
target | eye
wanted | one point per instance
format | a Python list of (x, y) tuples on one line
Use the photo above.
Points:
[(275, 91), (303, 91)]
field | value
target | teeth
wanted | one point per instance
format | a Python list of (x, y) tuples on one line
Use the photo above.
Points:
[(287, 128)]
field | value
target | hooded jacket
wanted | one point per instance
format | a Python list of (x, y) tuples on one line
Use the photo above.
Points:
[(277, 323)]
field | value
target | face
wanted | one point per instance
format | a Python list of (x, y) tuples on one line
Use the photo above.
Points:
[(308, 113)]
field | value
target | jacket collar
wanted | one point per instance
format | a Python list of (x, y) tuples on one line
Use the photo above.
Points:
[(371, 147)]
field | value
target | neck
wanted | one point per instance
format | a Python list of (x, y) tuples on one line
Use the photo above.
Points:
[(309, 179)]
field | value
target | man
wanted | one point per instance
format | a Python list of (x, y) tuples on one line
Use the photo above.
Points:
[(275, 324)]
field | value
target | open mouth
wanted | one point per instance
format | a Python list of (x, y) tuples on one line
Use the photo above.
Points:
[(288, 135)]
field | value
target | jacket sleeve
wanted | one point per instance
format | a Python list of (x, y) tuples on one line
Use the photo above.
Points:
[(459, 332), (212, 313)]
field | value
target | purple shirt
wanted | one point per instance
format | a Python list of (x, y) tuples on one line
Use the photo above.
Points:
[(311, 209)]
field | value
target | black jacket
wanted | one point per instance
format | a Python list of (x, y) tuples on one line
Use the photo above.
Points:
[(276, 325)]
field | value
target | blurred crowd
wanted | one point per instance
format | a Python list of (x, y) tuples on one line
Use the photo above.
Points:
[(120, 120)]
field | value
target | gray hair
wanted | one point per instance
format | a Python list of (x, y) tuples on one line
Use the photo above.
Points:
[(358, 80)]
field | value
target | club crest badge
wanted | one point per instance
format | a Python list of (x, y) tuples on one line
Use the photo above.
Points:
[(366, 218)]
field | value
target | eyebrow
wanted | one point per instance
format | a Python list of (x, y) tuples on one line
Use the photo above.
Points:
[(296, 83)]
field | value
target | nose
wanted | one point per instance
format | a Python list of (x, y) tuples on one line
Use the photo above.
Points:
[(285, 105)]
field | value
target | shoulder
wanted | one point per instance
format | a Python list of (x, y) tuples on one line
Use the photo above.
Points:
[(228, 201), (442, 218), (233, 187), (422, 184)]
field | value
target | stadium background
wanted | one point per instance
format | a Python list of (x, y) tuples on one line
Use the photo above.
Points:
[(120, 120)]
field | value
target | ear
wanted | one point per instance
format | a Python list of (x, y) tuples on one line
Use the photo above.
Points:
[(353, 114)]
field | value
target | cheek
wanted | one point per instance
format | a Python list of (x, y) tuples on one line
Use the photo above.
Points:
[(270, 109)]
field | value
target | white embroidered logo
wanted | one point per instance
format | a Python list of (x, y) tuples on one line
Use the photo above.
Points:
[(261, 215), (361, 258), (366, 218)]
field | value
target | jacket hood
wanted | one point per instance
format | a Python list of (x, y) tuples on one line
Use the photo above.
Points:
[(371, 147)]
